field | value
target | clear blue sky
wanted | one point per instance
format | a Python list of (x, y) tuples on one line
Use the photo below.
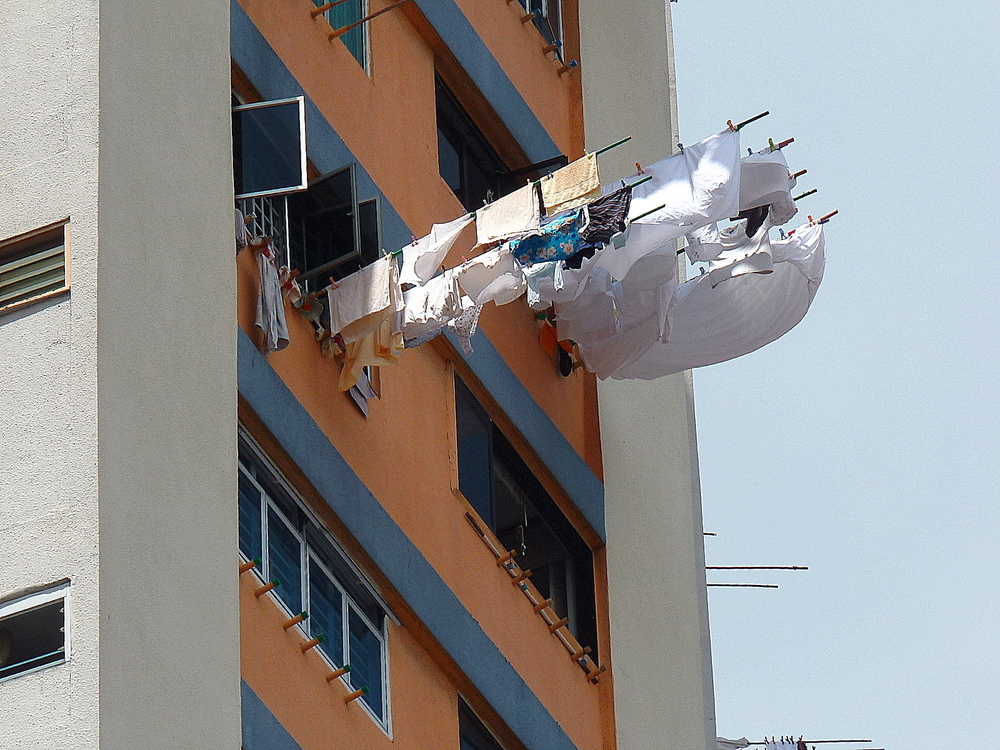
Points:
[(864, 443)]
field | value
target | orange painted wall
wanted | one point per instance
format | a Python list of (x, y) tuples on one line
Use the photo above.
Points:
[(405, 451)]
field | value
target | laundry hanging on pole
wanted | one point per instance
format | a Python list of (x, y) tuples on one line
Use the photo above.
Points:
[(714, 324)]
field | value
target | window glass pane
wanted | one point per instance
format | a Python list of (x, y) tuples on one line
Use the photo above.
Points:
[(474, 480), (365, 658), (32, 639), (472, 734), (344, 15), (321, 227), (267, 149), (285, 563), (343, 573), (449, 162), (251, 543), (368, 226), (326, 613)]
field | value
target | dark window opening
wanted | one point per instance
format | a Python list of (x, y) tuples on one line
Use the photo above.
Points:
[(509, 498), (330, 234), (472, 733), (32, 638), (467, 161)]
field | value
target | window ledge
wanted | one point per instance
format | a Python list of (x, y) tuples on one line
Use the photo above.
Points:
[(33, 300)]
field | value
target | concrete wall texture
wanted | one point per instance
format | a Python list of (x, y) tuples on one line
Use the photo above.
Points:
[(116, 116), (656, 564)]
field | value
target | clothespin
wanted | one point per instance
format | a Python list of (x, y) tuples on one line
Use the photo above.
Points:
[(781, 234), (413, 239), (333, 284), (749, 152), (770, 142), (567, 67), (639, 169), (680, 147), (731, 126)]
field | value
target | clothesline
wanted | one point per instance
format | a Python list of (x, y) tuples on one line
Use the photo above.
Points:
[(601, 263)]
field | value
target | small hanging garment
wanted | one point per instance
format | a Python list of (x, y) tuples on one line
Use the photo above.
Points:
[(558, 238), (606, 217), (740, 254), (429, 307), (464, 327), (494, 276), (270, 303), (572, 186), (361, 301), (422, 258), (242, 239), (765, 180), (515, 214), (697, 186), (379, 347), (543, 276), (715, 324)]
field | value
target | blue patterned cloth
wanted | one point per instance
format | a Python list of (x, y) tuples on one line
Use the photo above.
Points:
[(558, 238)]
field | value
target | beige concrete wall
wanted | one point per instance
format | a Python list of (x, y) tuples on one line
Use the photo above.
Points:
[(659, 609), (169, 671), (48, 361)]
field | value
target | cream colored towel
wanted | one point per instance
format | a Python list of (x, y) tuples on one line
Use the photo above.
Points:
[(364, 299), (514, 214), (572, 186)]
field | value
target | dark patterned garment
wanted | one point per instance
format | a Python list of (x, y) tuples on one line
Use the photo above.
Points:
[(607, 217)]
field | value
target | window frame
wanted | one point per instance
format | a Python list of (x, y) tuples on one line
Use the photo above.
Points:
[(365, 35), (303, 163), (10, 245), (308, 554), (36, 599)]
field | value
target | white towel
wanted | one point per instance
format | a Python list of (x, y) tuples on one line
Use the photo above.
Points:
[(572, 186), (270, 304), (421, 259)]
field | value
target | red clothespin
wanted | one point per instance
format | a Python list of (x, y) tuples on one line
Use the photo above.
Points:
[(731, 126), (785, 143), (639, 169), (333, 284)]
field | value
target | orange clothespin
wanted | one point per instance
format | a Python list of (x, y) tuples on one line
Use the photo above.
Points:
[(639, 169), (731, 126)]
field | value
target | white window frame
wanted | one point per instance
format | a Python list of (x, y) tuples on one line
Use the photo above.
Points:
[(264, 573), (303, 167), (38, 599)]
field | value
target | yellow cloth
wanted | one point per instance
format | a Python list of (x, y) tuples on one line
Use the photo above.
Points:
[(377, 348), (572, 186)]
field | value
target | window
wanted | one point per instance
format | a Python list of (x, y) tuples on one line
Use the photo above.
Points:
[(33, 631), (315, 576), (269, 147), (468, 163), (330, 232), (344, 14), (472, 733), (513, 503), (548, 18), (33, 265)]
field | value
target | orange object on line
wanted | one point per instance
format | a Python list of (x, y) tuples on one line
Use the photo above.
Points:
[(567, 346), (548, 338)]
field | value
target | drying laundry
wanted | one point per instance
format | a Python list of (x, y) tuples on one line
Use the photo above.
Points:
[(270, 303), (606, 218), (362, 301), (695, 187), (464, 327), (494, 276), (558, 238), (378, 347), (715, 324), (572, 186), (515, 214), (765, 180), (242, 238), (537, 276), (428, 308), (740, 254), (422, 258)]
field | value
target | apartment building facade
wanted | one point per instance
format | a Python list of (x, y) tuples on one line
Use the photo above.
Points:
[(211, 543)]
